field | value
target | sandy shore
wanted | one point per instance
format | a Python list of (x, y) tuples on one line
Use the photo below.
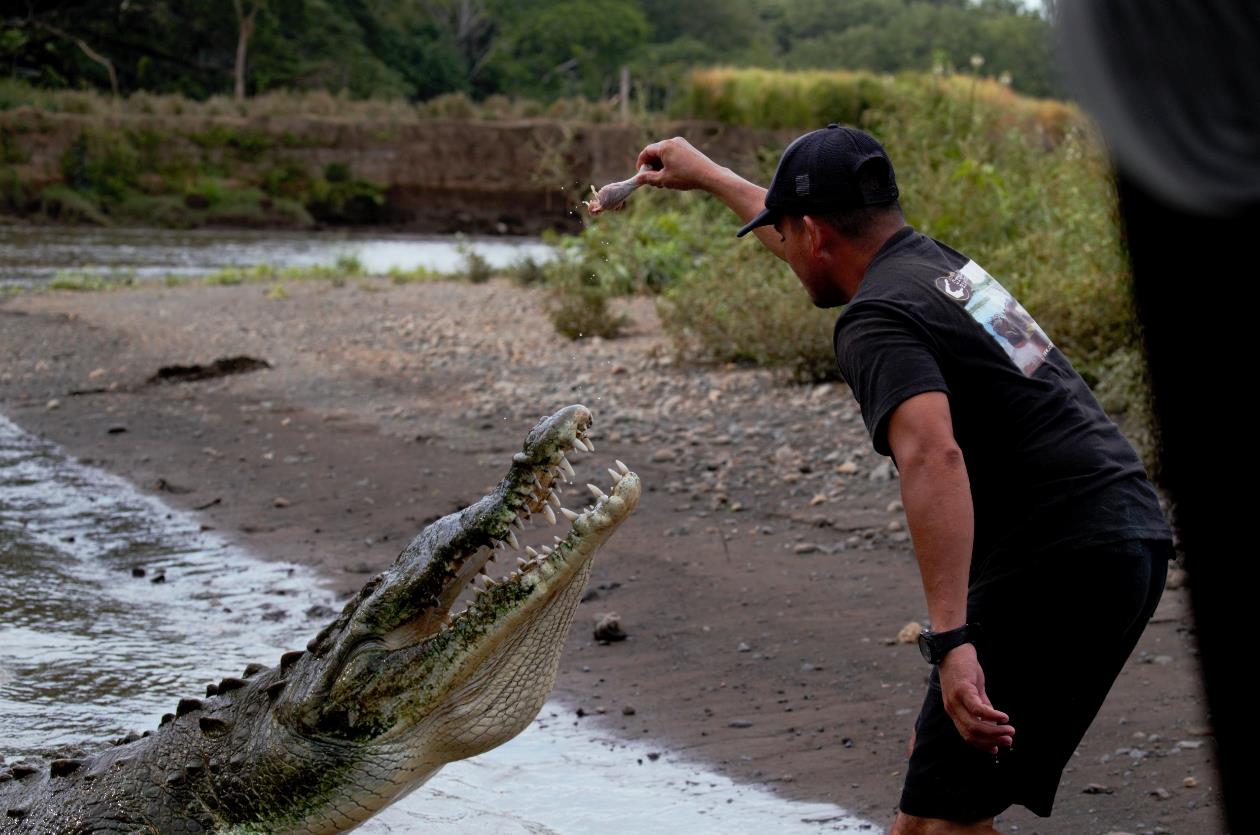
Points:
[(763, 579)]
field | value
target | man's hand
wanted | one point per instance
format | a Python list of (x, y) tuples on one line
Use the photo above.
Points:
[(962, 688), (676, 164)]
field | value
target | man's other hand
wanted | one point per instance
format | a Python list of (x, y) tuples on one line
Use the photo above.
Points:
[(675, 163), (962, 688)]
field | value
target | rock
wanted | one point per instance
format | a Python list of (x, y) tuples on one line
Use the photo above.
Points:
[(1189, 782), (116, 429), (53, 404), (804, 548), (137, 572), (739, 723), (1162, 794), (743, 647), (819, 498), (608, 628), (847, 468), (663, 455), (1176, 578), (1097, 788), (909, 634), (279, 501), (627, 711), (895, 506), (883, 472)]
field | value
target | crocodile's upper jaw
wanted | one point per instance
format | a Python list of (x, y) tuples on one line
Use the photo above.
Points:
[(416, 686)]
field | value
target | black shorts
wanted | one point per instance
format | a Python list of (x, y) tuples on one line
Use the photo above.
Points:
[(1055, 636)]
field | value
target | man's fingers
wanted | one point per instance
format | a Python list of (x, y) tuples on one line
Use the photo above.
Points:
[(985, 735), (651, 155), (977, 705)]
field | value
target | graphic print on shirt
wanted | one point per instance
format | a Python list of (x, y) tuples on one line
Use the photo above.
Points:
[(997, 311)]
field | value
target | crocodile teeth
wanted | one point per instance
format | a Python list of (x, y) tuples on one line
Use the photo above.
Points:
[(487, 580), (529, 551), (567, 468), (557, 539), (596, 492), (549, 513), (523, 562), (546, 550), (624, 469), (554, 499), (580, 444), (513, 541), (568, 514), (590, 447), (616, 476)]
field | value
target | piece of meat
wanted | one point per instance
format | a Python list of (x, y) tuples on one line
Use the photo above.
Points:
[(614, 194)]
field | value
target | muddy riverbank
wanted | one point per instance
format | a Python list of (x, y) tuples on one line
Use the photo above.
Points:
[(762, 581)]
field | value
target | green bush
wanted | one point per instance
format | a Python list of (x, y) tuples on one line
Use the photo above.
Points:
[(66, 205)]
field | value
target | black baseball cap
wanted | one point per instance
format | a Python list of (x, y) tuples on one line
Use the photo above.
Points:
[(818, 173)]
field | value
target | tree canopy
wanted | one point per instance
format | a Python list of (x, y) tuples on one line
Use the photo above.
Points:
[(542, 49)]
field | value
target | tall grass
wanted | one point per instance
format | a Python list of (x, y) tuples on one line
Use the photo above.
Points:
[(1020, 185), (312, 104)]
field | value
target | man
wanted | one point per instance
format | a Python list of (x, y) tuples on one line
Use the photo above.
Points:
[(1041, 545)]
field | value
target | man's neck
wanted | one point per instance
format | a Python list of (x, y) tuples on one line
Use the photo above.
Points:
[(861, 252)]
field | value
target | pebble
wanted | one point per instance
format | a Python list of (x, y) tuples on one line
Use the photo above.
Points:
[(279, 501), (663, 455), (53, 404), (608, 628), (739, 723), (1190, 782), (909, 634), (743, 647), (1162, 794), (1097, 788), (882, 473), (804, 548)]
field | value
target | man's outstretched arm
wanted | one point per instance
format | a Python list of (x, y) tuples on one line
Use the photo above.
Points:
[(936, 493), (678, 165)]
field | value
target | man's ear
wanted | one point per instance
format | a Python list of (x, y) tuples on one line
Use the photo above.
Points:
[(815, 235)]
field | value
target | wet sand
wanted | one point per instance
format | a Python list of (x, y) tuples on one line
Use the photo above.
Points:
[(763, 579)]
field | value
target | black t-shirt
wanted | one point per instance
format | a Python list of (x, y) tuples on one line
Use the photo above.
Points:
[(1048, 469)]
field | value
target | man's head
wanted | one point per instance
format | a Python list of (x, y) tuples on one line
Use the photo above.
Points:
[(833, 199)]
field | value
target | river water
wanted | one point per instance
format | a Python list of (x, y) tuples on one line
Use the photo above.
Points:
[(89, 649), (34, 255)]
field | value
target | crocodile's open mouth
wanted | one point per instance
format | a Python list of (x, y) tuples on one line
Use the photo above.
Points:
[(487, 569)]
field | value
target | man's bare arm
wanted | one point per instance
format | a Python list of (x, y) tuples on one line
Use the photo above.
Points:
[(678, 165), (936, 493)]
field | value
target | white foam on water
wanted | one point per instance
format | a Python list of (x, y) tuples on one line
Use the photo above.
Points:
[(88, 651)]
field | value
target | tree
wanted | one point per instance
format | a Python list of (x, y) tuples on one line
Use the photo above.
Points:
[(245, 30)]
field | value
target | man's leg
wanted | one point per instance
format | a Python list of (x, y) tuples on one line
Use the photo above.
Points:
[(910, 825), (1029, 648)]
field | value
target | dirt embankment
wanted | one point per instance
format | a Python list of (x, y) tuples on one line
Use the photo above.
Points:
[(763, 579), (434, 176)]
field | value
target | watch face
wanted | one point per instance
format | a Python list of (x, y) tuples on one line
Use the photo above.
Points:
[(925, 647)]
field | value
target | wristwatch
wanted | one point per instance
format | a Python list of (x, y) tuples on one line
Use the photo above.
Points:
[(936, 645)]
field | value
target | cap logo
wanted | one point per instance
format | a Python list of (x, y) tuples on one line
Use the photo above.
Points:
[(802, 185)]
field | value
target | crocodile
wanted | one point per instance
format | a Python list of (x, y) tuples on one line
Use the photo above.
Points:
[(395, 687)]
